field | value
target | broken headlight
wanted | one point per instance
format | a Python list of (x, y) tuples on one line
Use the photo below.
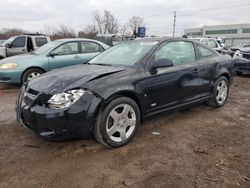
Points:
[(65, 99)]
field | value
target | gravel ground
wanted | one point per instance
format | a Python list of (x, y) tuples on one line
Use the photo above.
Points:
[(198, 147)]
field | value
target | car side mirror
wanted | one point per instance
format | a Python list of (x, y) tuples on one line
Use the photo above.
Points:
[(7, 45), (161, 63), (52, 54)]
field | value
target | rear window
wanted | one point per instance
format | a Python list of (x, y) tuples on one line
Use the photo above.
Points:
[(41, 41)]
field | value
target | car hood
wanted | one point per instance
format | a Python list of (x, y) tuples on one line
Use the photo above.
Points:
[(77, 76), (15, 59), (247, 50)]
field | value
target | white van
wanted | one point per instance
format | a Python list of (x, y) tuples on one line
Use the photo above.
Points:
[(22, 44)]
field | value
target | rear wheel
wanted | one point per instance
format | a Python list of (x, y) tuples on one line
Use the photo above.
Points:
[(31, 74), (220, 93), (117, 123)]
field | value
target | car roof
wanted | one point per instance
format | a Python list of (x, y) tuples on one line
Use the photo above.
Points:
[(163, 39), (75, 39)]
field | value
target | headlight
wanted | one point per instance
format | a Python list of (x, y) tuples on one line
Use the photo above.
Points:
[(8, 66), (65, 99)]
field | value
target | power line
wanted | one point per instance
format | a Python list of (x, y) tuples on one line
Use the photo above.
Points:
[(197, 10), (212, 9)]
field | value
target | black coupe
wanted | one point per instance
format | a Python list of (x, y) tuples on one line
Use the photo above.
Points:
[(109, 96)]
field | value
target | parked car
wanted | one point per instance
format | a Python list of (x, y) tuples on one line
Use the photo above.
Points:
[(113, 39), (2, 41), (54, 55), (213, 43), (242, 61), (109, 96), (239, 46), (22, 44)]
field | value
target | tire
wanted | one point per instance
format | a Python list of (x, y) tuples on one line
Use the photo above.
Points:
[(117, 123), (27, 75), (219, 97)]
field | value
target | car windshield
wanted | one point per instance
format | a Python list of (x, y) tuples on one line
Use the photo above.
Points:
[(126, 53), (47, 47), (9, 41)]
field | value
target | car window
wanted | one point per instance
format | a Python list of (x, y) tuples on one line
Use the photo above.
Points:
[(67, 49), (204, 41), (91, 47), (204, 52), (19, 42), (212, 44), (178, 52), (40, 41)]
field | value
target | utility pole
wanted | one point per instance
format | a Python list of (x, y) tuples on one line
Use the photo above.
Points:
[(174, 23)]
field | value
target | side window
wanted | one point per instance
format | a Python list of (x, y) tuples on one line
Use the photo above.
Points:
[(212, 44), (204, 52), (18, 42), (91, 47), (178, 52), (204, 41), (67, 49), (40, 41)]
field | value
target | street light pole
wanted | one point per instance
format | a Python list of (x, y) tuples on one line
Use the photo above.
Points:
[(174, 24)]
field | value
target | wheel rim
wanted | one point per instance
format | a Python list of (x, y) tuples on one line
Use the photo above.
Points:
[(33, 75), (222, 91), (121, 122)]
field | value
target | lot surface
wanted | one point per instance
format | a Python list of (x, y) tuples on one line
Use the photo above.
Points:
[(198, 147)]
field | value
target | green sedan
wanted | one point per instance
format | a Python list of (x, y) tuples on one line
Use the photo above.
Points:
[(60, 53)]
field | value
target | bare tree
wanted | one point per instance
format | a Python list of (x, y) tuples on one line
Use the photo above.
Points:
[(110, 23), (12, 32), (66, 31), (98, 19), (106, 23), (89, 32), (134, 23)]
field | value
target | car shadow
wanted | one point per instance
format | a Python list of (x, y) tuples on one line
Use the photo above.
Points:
[(244, 76), (4, 86)]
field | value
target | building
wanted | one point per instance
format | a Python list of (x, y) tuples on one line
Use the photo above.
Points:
[(233, 34)]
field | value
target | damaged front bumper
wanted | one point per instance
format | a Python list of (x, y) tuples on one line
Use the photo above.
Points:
[(76, 121)]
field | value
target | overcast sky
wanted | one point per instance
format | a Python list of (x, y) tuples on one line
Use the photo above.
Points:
[(35, 15)]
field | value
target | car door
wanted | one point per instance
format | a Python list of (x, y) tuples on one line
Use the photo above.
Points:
[(207, 68), (66, 54), (173, 86), (18, 46), (89, 50)]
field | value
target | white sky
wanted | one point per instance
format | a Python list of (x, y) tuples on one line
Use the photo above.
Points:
[(35, 15)]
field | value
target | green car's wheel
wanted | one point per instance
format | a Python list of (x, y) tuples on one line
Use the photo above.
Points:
[(31, 74)]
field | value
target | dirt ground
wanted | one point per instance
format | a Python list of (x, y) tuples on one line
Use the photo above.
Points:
[(198, 147)]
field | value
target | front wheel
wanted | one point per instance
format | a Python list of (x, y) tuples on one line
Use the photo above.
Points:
[(117, 123), (220, 93)]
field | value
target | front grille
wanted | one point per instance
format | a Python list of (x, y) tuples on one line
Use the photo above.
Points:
[(247, 56)]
